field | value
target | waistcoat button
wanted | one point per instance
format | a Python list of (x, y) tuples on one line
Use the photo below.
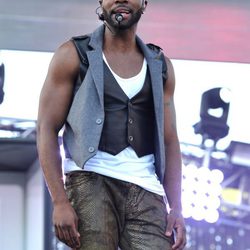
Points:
[(130, 120), (91, 149), (131, 138), (98, 121)]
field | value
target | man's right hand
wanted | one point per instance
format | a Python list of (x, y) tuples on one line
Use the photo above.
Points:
[(65, 222)]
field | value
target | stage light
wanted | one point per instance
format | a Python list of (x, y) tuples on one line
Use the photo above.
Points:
[(216, 176), (198, 213), (201, 192), (213, 113), (211, 216)]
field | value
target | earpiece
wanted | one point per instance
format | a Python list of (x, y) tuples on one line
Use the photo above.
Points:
[(143, 6), (100, 15)]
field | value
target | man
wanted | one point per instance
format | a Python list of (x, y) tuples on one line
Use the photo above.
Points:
[(119, 124)]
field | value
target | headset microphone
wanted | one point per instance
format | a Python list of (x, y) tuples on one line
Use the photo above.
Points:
[(100, 15), (119, 17)]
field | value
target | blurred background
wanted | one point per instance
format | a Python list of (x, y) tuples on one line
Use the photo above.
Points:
[(208, 43)]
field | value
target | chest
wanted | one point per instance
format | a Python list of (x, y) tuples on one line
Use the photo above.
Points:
[(125, 66)]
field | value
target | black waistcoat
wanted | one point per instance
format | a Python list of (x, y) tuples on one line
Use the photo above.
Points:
[(128, 122)]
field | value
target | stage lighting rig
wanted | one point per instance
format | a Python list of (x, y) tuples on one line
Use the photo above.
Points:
[(213, 114)]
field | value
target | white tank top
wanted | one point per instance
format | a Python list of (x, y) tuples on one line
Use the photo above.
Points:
[(126, 165)]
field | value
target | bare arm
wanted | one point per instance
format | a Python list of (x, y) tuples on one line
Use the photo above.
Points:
[(55, 100), (172, 178), (173, 174)]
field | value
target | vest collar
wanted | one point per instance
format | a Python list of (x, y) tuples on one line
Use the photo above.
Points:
[(96, 42), (96, 65)]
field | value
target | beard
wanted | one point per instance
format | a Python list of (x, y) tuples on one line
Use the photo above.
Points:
[(126, 24)]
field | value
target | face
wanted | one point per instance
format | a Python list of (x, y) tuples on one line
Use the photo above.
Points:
[(130, 10)]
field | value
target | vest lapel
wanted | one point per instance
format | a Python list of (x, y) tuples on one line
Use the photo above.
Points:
[(155, 66), (155, 69), (96, 68), (96, 61)]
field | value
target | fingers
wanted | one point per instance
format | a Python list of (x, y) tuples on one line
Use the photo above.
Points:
[(68, 235), (66, 225), (170, 225), (180, 240), (75, 237), (176, 224)]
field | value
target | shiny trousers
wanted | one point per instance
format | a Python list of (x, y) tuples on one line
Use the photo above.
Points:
[(114, 213)]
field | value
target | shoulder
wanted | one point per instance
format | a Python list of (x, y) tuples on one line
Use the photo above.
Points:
[(167, 70), (158, 52), (169, 63), (166, 63), (170, 81), (66, 53), (81, 44), (81, 37), (65, 60), (66, 50), (157, 49), (81, 41)]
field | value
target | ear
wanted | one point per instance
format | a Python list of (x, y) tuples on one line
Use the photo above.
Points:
[(144, 5)]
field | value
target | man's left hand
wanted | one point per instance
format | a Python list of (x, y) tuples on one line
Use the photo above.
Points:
[(175, 222)]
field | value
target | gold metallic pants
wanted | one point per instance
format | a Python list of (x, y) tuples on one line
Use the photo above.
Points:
[(115, 213)]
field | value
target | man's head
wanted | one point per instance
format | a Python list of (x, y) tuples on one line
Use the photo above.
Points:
[(131, 12)]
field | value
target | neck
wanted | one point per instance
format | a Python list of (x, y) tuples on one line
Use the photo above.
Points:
[(119, 40)]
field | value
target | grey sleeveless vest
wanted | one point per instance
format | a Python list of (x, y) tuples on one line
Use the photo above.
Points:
[(84, 123)]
